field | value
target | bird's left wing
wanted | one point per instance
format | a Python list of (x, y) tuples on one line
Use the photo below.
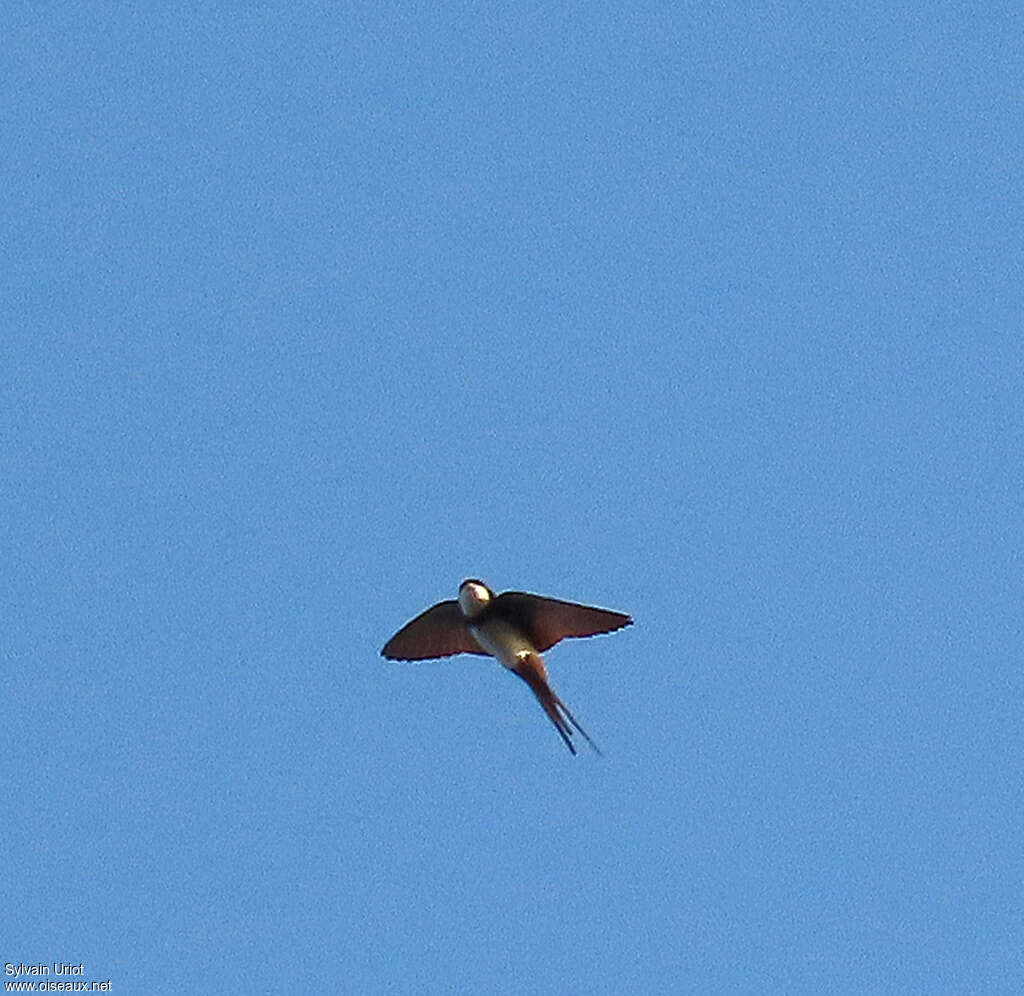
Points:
[(438, 632), (548, 620)]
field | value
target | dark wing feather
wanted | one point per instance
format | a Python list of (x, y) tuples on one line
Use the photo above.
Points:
[(438, 632), (548, 620)]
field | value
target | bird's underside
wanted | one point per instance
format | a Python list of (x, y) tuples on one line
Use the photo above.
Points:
[(515, 627)]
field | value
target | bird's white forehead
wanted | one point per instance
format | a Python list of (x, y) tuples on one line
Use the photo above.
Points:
[(473, 597)]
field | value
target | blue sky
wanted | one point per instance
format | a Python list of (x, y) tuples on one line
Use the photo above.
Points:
[(709, 315)]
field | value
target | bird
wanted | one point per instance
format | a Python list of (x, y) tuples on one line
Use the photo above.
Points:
[(515, 627)]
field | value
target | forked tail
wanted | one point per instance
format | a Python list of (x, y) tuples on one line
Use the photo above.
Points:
[(533, 672)]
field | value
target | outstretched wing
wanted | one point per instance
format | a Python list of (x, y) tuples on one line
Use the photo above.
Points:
[(548, 620), (438, 632)]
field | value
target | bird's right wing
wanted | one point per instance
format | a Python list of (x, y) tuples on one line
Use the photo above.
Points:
[(438, 632)]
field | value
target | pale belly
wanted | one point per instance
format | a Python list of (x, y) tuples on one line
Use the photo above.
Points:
[(503, 641)]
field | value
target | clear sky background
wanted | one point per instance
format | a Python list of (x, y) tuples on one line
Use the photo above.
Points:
[(713, 317)]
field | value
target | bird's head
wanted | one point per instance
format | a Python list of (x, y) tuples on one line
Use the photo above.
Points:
[(474, 597)]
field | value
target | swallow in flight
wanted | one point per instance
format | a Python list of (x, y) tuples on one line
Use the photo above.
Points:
[(515, 627)]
